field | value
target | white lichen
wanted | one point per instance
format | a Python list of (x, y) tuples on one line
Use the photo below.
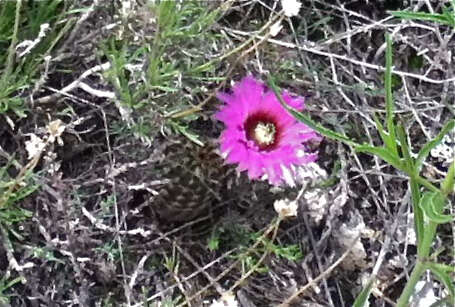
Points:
[(227, 300), (34, 146), (445, 151), (286, 208), (291, 7)]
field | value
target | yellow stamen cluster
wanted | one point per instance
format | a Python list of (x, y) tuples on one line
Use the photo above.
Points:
[(264, 133)]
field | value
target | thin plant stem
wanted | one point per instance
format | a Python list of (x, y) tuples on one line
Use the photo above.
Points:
[(427, 184), (448, 183), (423, 252), (389, 96), (417, 272), (418, 214)]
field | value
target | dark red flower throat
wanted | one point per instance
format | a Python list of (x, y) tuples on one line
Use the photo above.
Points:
[(262, 128)]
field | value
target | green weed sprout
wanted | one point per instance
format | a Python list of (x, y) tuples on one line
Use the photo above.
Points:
[(429, 201), (446, 18)]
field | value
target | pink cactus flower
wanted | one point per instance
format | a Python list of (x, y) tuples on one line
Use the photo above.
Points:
[(260, 135)]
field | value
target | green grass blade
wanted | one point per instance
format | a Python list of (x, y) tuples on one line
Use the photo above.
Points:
[(362, 298), (384, 136), (447, 186), (405, 150), (419, 221), (306, 119), (449, 15), (444, 267), (424, 152), (389, 97), (385, 154), (439, 18)]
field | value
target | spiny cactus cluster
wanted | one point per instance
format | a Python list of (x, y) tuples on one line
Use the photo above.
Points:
[(196, 178)]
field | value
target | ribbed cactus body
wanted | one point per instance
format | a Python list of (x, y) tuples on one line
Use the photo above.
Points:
[(197, 178)]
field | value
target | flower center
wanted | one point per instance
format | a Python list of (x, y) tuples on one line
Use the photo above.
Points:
[(263, 130), (264, 133)]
